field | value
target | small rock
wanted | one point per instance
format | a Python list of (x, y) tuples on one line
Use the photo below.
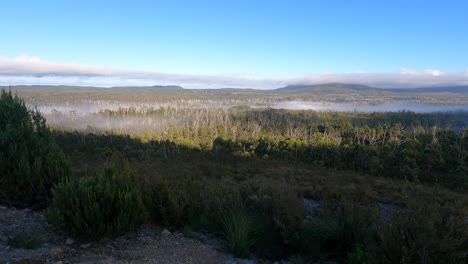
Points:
[(56, 250), (69, 241), (108, 248), (85, 245), (8, 248), (59, 262), (28, 211), (165, 233)]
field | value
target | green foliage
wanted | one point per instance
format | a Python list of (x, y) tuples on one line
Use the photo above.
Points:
[(362, 257), (297, 260), (429, 234), (105, 204), (279, 215), (173, 203), (337, 231), (288, 215), (194, 188), (238, 230), (26, 240), (30, 161)]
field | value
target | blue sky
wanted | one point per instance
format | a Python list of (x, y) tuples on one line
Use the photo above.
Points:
[(272, 41)]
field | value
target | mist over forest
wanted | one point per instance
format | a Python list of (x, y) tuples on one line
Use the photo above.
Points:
[(311, 173)]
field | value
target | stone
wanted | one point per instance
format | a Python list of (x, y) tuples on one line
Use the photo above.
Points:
[(165, 233), (56, 250), (87, 245), (108, 248), (69, 241)]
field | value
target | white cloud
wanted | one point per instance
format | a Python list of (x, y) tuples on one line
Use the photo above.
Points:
[(406, 78), (32, 65), (34, 70), (406, 71)]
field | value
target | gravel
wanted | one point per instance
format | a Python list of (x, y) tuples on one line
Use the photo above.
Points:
[(147, 245)]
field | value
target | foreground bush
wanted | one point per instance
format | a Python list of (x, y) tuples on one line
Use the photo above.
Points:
[(30, 161), (432, 234), (338, 231), (173, 204), (238, 230), (97, 206)]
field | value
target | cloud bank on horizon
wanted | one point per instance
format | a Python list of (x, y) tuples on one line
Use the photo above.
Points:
[(32, 70)]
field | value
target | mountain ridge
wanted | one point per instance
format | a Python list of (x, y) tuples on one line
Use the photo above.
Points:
[(297, 88), (360, 88)]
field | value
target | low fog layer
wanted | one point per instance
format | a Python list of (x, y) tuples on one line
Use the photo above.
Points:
[(129, 118), (384, 107)]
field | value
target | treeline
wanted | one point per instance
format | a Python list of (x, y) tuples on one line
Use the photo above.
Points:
[(429, 148)]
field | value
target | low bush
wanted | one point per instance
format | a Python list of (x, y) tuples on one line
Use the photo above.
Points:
[(238, 230), (173, 203), (360, 256), (105, 204), (288, 215), (431, 234), (338, 231), (24, 239), (279, 212)]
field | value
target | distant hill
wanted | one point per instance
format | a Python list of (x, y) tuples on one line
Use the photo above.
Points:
[(445, 89), (296, 89), (331, 88), (301, 87), (38, 86), (156, 87)]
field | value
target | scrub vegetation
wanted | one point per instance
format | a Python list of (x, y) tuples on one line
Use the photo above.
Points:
[(350, 187)]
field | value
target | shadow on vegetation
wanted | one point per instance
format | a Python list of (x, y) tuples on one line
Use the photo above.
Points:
[(257, 203)]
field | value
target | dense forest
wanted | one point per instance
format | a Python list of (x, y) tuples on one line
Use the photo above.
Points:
[(302, 185), (430, 148)]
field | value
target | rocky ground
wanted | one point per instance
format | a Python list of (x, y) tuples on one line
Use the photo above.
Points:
[(26, 237)]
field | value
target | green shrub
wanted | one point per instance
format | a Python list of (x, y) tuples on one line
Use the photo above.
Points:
[(337, 231), (173, 203), (97, 206), (360, 256), (279, 214), (430, 234), (26, 240), (238, 230), (30, 161), (297, 260), (288, 215)]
